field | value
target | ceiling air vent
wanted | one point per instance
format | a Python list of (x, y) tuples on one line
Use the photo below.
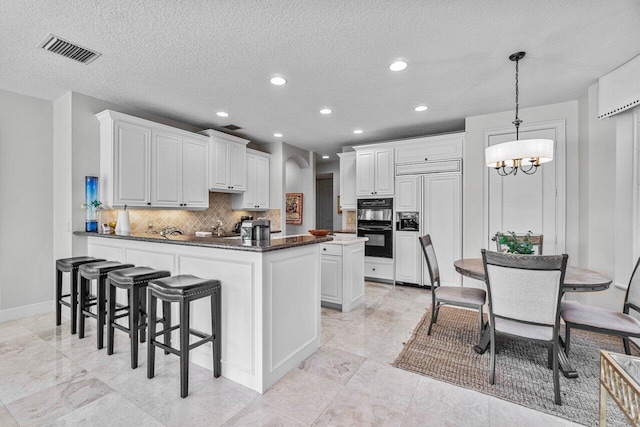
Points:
[(231, 127), (62, 47)]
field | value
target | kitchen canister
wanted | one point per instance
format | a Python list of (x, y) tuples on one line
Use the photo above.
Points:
[(123, 226)]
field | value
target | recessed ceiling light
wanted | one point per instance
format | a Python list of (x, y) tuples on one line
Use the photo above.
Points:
[(277, 135), (421, 108), (358, 131), (222, 114), (325, 111), (278, 81), (325, 157), (398, 66)]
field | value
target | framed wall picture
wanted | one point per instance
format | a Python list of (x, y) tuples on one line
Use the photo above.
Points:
[(294, 208)]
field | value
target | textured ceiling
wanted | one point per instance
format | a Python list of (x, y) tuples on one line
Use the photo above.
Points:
[(185, 60)]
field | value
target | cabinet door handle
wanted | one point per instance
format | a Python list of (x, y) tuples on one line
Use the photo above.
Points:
[(374, 269), (426, 159), (149, 203), (324, 249)]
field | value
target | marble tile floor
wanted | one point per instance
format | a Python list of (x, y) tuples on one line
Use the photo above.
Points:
[(48, 377)]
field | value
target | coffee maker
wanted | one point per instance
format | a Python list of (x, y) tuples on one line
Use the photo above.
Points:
[(238, 226), (258, 230)]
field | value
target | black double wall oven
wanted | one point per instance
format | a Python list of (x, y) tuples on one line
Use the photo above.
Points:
[(375, 221)]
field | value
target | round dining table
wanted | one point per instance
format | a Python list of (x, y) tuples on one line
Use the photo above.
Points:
[(575, 280)]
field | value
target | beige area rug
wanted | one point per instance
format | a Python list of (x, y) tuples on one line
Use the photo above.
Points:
[(522, 375)]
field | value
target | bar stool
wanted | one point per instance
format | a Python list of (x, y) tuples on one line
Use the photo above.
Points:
[(183, 289), (95, 271), (134, 281), (69, 265)]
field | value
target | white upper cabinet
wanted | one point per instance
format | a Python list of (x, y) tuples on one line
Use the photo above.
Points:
[(374, 171), (128, 156), (147, 164), (195, 173), (348, 199), (228, 162), (256, 197), (430, 148), (166, 170)]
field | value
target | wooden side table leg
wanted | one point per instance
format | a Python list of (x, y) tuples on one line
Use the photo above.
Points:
[(603, 406)]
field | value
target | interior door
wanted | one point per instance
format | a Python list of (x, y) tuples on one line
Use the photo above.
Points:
[(523, 202), (324, 204)]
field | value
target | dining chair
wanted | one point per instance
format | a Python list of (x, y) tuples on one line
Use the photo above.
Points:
[(536, 240), (603, 320), (524, 302), (449, 295)]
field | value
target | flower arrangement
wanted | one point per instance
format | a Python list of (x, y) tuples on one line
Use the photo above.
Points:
[(96, 205), (516, 244)]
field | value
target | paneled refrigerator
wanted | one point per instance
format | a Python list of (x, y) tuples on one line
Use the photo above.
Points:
[(437, 200)]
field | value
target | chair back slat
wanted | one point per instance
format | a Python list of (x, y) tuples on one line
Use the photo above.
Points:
[(633, 292), (430, 256), (526, 288)]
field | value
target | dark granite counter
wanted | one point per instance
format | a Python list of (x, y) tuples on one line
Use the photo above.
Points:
[(233, 243)]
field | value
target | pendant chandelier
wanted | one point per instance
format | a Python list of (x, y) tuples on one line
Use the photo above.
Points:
[(526, 155)]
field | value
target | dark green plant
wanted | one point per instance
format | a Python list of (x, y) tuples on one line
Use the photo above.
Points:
[(515, 244)]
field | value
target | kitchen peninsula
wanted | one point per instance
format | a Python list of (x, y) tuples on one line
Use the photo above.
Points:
[(270, 295)]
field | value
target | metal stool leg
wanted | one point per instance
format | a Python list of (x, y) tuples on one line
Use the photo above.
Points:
[(143, 314), (101, 291), (74, 301), (184, 348), (134, 322), (166, 323), (151, 348), (216, 317), (83, 295), (111, 310), (58, 296)]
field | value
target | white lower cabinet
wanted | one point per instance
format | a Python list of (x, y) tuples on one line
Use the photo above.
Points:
[(342, 274), (378, 268), (408, 255)]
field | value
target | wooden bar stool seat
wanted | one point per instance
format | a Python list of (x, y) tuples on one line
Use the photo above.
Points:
[(95, 271), (183, 289), (69, 265), (134, 281)]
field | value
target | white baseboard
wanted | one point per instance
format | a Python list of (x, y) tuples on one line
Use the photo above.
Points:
[(26, 311)]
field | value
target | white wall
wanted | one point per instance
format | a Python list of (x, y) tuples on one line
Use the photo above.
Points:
[(597, 162), (26, 197), (300, 178), (333, 168)]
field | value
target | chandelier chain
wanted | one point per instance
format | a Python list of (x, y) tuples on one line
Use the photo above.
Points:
[(517, 121)]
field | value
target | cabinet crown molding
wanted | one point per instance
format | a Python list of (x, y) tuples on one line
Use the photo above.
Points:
[(216, 133), (412, 140), (111, 115)]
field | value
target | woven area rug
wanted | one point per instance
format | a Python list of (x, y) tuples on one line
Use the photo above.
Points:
[(522, 375)]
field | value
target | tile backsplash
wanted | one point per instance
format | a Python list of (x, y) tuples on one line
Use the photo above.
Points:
[(191, 221), (351, 219)]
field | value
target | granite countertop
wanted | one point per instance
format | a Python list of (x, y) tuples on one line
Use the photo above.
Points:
[(345, 239), (232, 243)]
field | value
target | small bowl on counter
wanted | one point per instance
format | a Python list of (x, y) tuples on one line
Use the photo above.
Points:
[(319, 233)]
